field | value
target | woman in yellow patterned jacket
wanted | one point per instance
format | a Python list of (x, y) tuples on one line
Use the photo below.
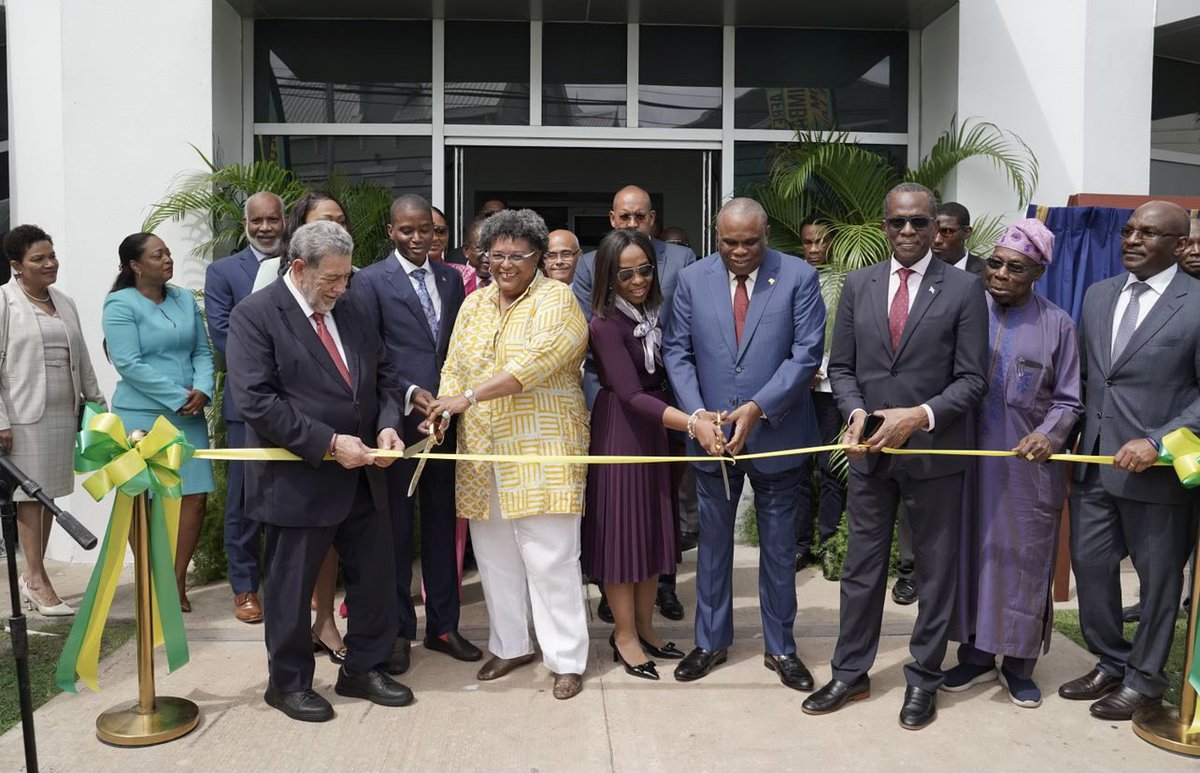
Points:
[(513, 373)]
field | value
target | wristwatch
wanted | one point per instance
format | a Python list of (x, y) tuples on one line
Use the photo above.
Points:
[(470, 395)]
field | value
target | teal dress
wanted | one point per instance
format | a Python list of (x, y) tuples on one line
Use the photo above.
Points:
[(159, 351)]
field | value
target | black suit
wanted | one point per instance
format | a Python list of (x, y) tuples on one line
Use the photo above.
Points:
[(975, 265), (941, 361), (291, 395), (394, 310)]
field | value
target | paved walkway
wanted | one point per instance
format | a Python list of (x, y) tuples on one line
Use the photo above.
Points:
[(738, 719)]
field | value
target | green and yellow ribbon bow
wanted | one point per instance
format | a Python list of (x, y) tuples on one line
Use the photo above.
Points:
[(151, 466)]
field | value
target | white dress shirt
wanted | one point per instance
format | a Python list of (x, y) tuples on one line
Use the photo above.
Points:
[(1158, 285), (259, 256), (430, 281), (961, 263), (330, 325), (750, 279)]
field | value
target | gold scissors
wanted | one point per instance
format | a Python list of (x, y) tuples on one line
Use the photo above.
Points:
[(724, 460), (423, 448)]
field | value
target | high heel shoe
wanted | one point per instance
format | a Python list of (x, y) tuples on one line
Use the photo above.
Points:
[(61, 609), (337, 656), (646, 670), (668, 651)]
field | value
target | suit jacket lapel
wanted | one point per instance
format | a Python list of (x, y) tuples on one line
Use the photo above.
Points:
[(877, 300), (718, 285), (1163, 310), (351, 338), (302, 329), (931, 286), (444, 275), (1109, 307), (404, 289), (764, 286), (249, 265)]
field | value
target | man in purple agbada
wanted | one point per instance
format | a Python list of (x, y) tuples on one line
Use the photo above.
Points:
[(1032, 404)]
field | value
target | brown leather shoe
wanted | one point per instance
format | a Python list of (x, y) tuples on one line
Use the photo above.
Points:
[(1120, 705), (246, 608), (567, 685), (495, 667), (1089, 687)]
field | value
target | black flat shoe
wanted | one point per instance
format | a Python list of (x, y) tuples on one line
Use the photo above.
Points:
[(603, 610), (454, 645), (791, 670), (919, 709), (374, 686), (668, 604), (698, 663), (401, 657), (836, 694), (338, 656), (904, 592), (645, 670), (668, 651), (304, 705)]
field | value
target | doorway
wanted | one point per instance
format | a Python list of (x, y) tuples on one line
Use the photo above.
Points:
[(573, 188)]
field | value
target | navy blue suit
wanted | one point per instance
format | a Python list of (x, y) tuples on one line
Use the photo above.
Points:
[(780, 352), (291, 395), (226, 283), (394, 309)]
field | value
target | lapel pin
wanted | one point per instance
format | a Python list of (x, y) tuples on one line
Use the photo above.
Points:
[(771, 281), (932, 291)]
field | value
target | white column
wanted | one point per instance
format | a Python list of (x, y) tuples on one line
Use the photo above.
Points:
[(105, 99), (1073, 78)]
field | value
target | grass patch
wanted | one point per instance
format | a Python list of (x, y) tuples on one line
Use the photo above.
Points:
[(44, 652), (1066, 622)]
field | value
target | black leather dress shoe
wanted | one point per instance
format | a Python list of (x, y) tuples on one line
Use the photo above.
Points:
[(904, 592), (304, 705), (836, 694), (919, 709), (401, 657), (454, 645), (1131, 613), (374, 686), (688, 540), (698, 663), (1093, 685), (791, 670), (807, 558), (668, 604), (1120, 704)]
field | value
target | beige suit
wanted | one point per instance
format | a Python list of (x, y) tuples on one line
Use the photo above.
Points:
[(23, 368)]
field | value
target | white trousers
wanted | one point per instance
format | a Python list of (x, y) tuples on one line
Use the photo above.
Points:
[(533, 562)]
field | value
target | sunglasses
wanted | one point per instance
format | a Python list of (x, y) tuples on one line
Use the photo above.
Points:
[(919, 223), (645, 271), (1014, 268)]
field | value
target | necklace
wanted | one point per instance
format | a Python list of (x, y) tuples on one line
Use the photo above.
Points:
[(33, 297)]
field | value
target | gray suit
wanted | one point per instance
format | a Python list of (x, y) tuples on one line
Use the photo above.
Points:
[(941, 361), (1152, 388)]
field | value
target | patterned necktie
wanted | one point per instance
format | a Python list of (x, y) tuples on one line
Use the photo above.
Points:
[(426, 300), (741, 303), (898, 313), (331, 347), (1129, 320)]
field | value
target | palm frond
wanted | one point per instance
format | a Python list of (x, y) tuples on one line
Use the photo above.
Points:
[(1008, 153), (843, 178), (985, 232)]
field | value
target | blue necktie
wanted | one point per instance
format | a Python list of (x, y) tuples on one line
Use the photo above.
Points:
[(418, 277)]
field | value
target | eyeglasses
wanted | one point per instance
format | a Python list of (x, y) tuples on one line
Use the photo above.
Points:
[(1014, 268), (919, 223), (645, 271), (515, 258), (562, 254), (635, 217), (946, 232), (1128, 231)]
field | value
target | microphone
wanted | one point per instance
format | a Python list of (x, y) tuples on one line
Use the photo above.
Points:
[(32, 489)]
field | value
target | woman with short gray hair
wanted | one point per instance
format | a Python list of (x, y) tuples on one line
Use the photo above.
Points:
[(512, 372)]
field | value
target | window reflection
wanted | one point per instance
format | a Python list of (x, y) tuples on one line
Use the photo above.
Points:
[(487, 73), (752, 162), (342, 71), (583, 74), (837, 79), (400, 164), (679, 74), (1174, 109)]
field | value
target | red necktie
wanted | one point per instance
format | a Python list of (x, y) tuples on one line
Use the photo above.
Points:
[(331, 347), (741, 302), (898, 313)]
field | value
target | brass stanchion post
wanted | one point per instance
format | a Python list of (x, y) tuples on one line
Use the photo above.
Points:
[(152, 718), (1166, 727)]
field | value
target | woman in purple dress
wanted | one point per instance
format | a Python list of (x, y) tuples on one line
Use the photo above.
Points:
[(629, 531)]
